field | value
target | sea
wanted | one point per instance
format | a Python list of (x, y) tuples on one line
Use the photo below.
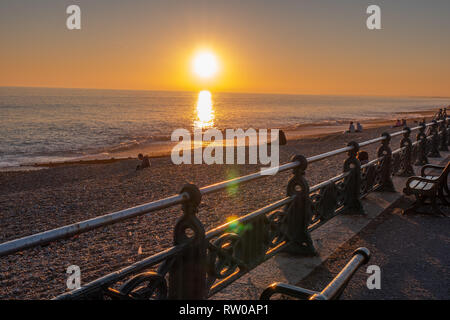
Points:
[(41, 125)]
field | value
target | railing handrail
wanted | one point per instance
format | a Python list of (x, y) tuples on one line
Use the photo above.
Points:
[(122, 273), (68, 231)]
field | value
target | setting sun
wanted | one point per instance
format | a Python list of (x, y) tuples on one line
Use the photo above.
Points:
[(205, 64)]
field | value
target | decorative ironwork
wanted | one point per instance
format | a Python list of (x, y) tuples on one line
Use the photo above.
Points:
[(405, 168), (421, 158), (187, 277), (276, 229), (447, 126), (252, 248), (299, 211), (434, 146), (222, 260), (240, 245), (145, 286), (443, 136), (448, 132), (352, 182), (385, 151), (368, 176), (324, 203)]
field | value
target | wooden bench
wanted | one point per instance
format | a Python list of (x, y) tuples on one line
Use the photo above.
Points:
[(428, 186), (333, 290), (443, 192)]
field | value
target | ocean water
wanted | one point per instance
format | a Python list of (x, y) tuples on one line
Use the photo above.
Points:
[(42, 124)]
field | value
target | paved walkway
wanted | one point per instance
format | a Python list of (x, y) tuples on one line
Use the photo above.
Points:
[(412, 252)]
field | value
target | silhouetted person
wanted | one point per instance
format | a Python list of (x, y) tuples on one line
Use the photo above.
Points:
[(282, 141), (359, 127), (145, 162), (351, 128), (363, 157), (404, 124), (282, 138)]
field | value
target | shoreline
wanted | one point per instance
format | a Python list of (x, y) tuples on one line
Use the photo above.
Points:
[(304, 132), (158, 150)]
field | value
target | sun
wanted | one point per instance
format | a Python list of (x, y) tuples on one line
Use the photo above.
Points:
[(205, 64)]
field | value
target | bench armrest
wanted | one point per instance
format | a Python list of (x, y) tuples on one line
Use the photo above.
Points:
[(429, 166), (332, 291), (286, 289)]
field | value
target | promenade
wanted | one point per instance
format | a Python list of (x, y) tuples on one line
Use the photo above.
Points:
[(411, 251)]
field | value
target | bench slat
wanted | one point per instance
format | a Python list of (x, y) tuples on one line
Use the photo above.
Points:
[(421, 185), (428, 186), (414, 183)]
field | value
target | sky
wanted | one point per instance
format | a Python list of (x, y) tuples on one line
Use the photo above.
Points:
[(263, 46)]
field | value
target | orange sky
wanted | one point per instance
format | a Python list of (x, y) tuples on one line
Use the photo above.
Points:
[(279, 47)]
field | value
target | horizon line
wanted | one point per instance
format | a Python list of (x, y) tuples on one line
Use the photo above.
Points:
[(234, 92)]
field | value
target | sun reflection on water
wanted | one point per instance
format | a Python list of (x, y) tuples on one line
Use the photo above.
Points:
[(205, 111)]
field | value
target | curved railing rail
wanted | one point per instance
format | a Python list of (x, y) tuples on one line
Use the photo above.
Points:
[(202, 263)]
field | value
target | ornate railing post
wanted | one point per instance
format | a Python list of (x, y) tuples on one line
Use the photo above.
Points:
[(187, 276), (299, 212), (352, 182), (422, 158), (385, 151), (447, 126), (440, 114), (434, 146), (448, 131), (406, 169), (443, 135)]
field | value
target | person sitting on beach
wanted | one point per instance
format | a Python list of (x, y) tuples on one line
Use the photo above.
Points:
[(145, 162), (282, 141), (351, 128), (282, 138), (404, 123), (363, 157), (359, 127), (398, 123)]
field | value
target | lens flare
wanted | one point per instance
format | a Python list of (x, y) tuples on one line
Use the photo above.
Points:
[(235, 226)]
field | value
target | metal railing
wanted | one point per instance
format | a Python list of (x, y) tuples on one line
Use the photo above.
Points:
[(202, 263)]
